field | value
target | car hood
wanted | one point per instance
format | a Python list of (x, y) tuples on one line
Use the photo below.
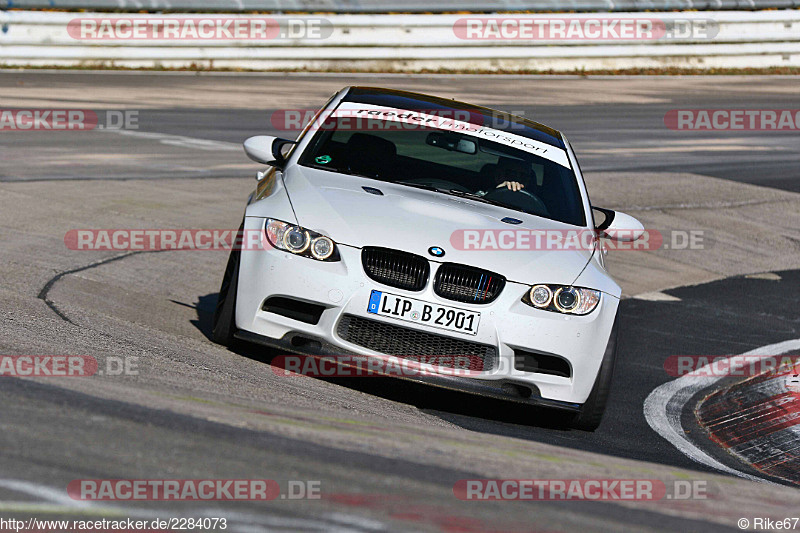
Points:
[(414, 220)]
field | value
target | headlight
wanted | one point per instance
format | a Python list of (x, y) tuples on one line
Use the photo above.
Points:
[(296, 240), (322, 248), (541, 296), (300, 241), (566, 299), (561, 299)]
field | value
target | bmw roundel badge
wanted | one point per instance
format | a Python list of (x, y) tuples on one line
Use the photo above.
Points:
[(435, 251)]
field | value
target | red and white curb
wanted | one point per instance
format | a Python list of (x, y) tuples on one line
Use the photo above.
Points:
[(758, 420), (664, 406)]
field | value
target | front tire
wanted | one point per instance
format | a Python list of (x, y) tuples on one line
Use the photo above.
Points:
[(591, 413), (223, 325)]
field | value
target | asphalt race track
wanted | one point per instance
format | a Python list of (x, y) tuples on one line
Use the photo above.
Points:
[(386, 453)]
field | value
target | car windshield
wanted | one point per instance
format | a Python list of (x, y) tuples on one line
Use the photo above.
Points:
[(448, 162)]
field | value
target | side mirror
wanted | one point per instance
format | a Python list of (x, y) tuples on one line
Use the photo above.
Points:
[(266, 149), (618, 226)]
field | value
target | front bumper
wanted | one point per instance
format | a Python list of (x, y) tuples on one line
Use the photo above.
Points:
[(506, 324)]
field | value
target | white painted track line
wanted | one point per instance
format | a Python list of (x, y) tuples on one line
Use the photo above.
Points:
[(665, 404)]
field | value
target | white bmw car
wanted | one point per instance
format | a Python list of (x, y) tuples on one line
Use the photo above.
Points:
[(402, 226)]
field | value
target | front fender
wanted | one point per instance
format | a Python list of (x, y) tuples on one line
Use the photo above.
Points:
[(594, 276), (271, 200)]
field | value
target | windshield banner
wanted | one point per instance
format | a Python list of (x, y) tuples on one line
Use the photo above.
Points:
[(359, 111)]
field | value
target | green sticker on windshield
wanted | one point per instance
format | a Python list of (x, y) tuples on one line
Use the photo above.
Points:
[(323, 159)]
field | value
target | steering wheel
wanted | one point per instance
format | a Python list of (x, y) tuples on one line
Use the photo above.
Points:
[(508, 196)]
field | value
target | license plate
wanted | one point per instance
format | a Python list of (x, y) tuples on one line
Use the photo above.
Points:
[(435, 315)]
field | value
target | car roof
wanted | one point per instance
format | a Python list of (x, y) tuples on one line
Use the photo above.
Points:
[(478, 115)]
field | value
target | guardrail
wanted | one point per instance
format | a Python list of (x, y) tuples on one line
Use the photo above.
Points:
[(406, 42), (400, 6)]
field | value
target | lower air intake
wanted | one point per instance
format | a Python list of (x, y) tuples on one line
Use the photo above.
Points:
[(411, 344)]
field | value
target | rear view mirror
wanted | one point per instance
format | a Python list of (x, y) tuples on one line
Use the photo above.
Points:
[(452, 142)]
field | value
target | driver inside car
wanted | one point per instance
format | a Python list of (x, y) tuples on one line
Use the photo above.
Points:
[(512, 174)]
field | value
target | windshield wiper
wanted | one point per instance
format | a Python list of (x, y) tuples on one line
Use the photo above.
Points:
[(454, 192), (476, 197), (351, 173), (420, 186)]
